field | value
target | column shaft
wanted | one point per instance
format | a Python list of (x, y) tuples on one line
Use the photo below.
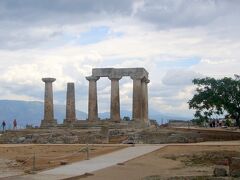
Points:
[(137, 100), (92, 99), (70, 104), (145, 101), (48, 120), (115, 101), (48, 102)]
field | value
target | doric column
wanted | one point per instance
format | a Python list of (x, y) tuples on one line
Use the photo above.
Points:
[(115, 101), (70, 104), (92, 98), (137, 99), (145, 100), (48, 120)]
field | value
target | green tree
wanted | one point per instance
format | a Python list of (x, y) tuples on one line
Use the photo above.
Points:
[(216, 97)]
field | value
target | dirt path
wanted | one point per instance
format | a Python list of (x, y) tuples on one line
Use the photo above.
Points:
[(166, 162)]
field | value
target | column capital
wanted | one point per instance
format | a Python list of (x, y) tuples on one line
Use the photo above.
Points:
[(48, 80), (92, 78), (115, 78), (134, 77), (146, 80)]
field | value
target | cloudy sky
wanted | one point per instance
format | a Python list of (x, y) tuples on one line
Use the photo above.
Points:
[(174, 40)]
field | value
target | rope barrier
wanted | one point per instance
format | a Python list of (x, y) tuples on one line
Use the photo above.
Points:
[(34, 158), (82, 150)]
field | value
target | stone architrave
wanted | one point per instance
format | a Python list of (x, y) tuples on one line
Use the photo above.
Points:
[(137, 99), (48, 120), (70, 104), (115, 100), (92, 99), (145, 100), (140, 92)]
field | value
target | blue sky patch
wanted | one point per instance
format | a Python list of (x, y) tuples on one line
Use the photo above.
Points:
[(97, 34), (94, 35)]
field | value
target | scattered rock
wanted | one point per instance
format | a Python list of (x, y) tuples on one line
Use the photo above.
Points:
[(29, 136), (28, 141), (220, 171), (120, 164), (13, 163), (30, 172), (70, 139), (234, 167), (128, 141), (20, 160), (223, 162), (63, 162), (21, 139), (88, 174)]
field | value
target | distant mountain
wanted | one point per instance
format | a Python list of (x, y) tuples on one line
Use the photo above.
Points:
[(30, 112), (160, 117)]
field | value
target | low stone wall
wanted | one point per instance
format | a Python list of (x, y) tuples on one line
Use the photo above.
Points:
[(105, 134)]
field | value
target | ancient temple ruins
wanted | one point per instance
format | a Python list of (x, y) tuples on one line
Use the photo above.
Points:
[(140, 92), (140, 97)]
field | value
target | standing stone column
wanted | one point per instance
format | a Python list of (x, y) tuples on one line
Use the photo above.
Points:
[(145, 100), (137, 99), (70, 104), (115, 101), (48, 120), (92, 99)]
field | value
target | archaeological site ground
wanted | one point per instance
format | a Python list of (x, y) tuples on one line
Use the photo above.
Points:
[(116, 148)]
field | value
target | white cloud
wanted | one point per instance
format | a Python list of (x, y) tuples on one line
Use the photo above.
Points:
[(179, 77), (218, 67), (165, 37)]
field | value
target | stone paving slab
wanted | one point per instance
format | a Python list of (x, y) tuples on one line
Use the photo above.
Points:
[(97, 163)]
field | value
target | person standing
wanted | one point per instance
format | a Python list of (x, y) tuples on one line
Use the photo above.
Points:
[(15, 124), (3, 125)]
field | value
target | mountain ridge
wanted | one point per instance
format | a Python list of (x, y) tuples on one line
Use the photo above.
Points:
[(31, 113)]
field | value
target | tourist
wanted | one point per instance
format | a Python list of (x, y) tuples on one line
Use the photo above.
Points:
[(214, 124), (15, 124), (3, 125)]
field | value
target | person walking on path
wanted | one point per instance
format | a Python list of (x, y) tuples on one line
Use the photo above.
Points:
[(15, 124), (3, 125)]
